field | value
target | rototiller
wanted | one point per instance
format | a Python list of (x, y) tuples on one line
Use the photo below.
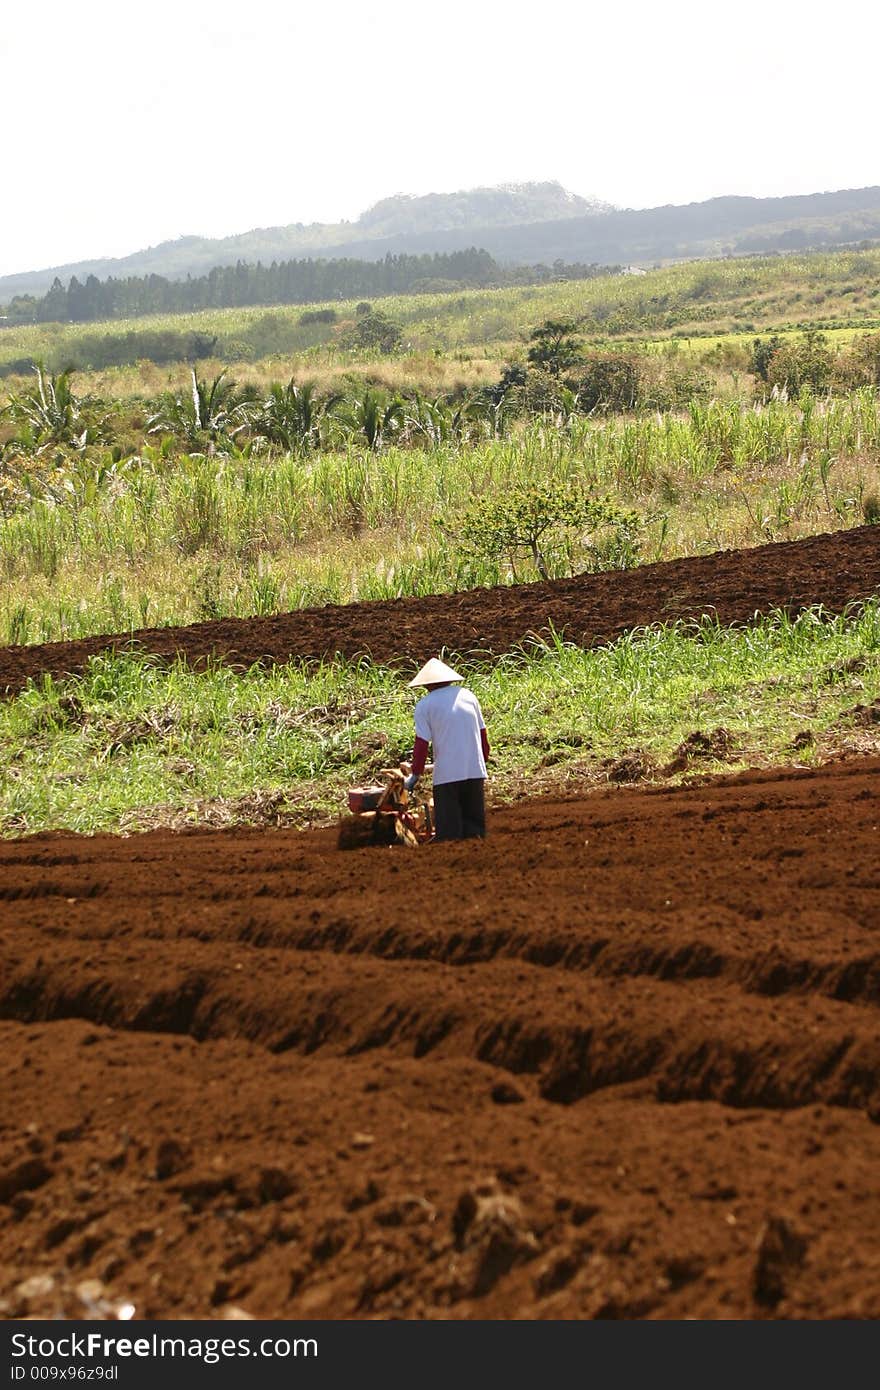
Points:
[(386, 813)]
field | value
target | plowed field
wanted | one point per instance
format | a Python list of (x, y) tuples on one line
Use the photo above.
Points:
[(622, 1059)]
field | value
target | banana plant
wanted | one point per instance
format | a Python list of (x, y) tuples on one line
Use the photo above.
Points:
[(493, 417), (78, 481)]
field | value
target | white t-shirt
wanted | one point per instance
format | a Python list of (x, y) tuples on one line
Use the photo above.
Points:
[(451, 719)]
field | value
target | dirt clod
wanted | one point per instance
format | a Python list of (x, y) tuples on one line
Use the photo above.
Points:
[(781, 1251)]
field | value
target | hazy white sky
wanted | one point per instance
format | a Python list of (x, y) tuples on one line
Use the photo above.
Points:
[(125, 125)]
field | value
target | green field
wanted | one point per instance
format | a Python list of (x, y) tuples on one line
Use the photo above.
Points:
[(839, 290), (120, 509)]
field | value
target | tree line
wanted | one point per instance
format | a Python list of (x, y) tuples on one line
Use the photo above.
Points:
[(285, 282)]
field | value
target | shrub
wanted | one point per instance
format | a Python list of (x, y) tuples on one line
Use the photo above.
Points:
[(544, 518), (18, 366), (607, 381), (95, 351), (318, 316), (237, 350), (673, 386), (542, 393), (860, 366), (801, 364)]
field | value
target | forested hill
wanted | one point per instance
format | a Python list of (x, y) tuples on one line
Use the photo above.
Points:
[(287, 282)]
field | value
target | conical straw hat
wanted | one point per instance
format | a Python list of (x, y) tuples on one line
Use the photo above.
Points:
[(435, 672)]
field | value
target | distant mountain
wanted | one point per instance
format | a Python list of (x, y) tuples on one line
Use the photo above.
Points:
[(508, 205), (518, 224), (717, 227), (399, 217)]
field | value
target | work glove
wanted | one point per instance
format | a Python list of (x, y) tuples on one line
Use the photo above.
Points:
[(410, 781)]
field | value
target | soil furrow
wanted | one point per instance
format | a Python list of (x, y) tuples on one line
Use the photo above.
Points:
[(578, 1034), (425, 1187)]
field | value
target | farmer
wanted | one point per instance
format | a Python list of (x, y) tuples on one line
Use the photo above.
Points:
[(450, 718)]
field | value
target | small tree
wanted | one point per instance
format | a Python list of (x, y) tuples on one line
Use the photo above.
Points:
[(536, 518), (375, 330), (554, 347), (762, 355), (513, 377)]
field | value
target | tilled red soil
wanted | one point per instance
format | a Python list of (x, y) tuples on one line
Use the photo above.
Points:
[(834, 570), (622, 1059)]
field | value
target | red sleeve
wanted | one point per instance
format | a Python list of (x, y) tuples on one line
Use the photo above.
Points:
[(420, 756), (484, 739)]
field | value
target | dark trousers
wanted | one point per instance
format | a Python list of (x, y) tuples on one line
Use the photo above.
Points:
[(460, 810)]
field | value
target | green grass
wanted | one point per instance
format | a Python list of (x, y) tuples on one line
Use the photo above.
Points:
[(134, 743)]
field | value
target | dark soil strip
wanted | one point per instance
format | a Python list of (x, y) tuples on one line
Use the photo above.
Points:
[(834, 570)]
